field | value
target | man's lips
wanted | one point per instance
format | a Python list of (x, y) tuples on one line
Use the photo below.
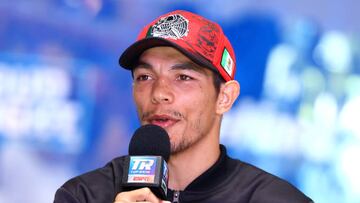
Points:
[(162, 120)]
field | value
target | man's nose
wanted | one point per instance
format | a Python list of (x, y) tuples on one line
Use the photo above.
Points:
[(162, 92)]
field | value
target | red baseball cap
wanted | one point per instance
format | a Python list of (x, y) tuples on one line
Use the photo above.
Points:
[(198, 38)]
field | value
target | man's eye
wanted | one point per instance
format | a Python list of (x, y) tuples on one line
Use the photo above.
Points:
[(142, 77), (184, 77)]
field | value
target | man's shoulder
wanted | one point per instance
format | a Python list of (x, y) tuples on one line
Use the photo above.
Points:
[(264, 186), (108, 173), (104, 182)]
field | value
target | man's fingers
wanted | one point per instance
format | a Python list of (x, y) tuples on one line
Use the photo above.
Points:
[(139, 195)]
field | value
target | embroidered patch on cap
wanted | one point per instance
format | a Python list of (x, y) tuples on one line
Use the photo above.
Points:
[(227, 62), (172, 26)]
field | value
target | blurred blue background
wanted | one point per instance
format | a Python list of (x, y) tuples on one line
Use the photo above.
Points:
[(66, 106)]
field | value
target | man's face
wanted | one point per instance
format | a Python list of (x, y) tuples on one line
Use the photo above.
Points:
[(173, 92)]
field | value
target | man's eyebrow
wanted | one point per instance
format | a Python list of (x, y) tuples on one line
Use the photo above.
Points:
[(178, 66), (188, 66), (141, 64)]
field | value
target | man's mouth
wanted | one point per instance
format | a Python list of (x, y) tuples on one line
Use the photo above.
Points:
[(163, 121)]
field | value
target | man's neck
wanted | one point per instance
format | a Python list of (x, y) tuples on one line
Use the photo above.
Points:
[(186, 166)]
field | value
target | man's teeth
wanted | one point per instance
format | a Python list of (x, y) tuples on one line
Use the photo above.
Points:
[(162, 119)]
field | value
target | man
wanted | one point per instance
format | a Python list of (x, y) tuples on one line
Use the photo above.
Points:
[(183, 68)]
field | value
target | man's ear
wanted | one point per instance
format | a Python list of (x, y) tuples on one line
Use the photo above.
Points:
[(229, 92)]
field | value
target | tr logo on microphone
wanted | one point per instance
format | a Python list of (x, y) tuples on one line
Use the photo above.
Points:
[(142, 169), (143, 164)]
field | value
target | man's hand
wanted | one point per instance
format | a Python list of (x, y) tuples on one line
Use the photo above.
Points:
[(140, 195)]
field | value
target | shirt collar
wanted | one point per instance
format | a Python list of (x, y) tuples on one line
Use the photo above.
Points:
[(214, 175)]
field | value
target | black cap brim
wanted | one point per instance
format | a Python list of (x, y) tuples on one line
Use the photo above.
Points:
[(130, 56)]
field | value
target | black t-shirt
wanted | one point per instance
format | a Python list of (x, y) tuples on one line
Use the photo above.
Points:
[(228, 180)]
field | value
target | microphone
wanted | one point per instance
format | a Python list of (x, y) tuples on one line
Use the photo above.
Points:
[(149, 149)]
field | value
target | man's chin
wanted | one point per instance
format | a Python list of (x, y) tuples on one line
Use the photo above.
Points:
[(177, 148)]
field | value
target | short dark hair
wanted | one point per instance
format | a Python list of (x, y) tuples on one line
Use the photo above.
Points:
[(218, 80)]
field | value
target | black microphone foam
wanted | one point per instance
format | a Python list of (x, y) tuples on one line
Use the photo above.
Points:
[(150, 140)]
